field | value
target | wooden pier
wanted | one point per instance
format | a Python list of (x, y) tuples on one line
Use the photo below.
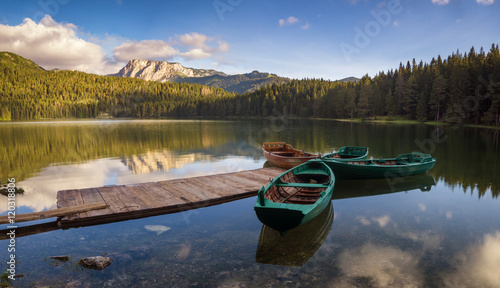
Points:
[(133, 201)]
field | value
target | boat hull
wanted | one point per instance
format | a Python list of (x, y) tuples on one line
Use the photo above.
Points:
[(284, 155), (348, 153), (379, 168), (283, 212)]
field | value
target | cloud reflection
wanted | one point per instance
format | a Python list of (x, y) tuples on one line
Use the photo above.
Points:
[(385, 266), (479, 266), (41, 191)]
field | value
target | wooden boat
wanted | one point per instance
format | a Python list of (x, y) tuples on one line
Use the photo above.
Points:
[(298, 245), (401, 166), (296, 196), (284, 155), (348, 153)]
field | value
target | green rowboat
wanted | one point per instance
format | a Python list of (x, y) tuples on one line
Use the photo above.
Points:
[(348, 153), (401, 166), (296, 196)]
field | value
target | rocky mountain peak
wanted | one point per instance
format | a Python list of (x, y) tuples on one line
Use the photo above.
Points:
[(162, 71)]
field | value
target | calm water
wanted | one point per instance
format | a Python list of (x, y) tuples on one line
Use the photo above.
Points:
[(439, 229)]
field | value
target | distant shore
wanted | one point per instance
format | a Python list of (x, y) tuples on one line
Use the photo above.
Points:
[(350, 120), (411, 122)]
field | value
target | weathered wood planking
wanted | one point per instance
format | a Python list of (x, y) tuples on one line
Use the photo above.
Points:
[(126, 202)]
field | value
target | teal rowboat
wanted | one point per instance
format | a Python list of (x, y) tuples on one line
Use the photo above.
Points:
[(401, 166), (348, 153), (296, 196)]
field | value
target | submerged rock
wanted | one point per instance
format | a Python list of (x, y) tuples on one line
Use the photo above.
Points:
[(96, 263), (62, 258)]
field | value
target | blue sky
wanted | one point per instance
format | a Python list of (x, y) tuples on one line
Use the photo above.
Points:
[(321, 39)]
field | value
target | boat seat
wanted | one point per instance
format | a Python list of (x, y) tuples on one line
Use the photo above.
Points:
[(308, 185), (312, 172), (300, 200)]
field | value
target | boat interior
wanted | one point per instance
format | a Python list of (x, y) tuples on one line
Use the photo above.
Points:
[(299, 187)]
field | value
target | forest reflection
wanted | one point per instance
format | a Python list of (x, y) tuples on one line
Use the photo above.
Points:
[(467, 157)]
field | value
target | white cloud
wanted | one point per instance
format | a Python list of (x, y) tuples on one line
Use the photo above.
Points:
[(52, 45), (196, 53), (306, 26), (485, 2), (441, 2), (288, 21), (194, 40), (146, 49), (396, 23), (201, 46)]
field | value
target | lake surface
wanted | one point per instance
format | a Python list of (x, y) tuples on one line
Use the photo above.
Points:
[(439, 229)]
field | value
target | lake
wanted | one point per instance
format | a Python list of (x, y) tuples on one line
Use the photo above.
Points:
[(439, 229)]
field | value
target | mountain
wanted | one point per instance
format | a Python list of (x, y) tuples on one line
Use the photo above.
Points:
[(163, 71), (350, 79), (239, 83)]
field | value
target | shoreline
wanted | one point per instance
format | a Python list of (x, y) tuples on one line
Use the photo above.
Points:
[(353, 120)]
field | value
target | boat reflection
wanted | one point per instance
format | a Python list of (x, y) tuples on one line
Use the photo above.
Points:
[(298, 245), (372, 187)]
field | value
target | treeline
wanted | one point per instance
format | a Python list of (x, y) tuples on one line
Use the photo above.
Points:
[(28, 92), (462, 88)]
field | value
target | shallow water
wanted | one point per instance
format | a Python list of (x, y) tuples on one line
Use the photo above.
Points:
[(439, 229)]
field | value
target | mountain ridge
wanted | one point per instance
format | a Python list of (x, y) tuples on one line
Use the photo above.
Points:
[(163, 71)]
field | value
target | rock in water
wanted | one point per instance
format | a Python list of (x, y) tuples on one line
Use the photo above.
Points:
[(157, 228), (62, 258), (96, 263)]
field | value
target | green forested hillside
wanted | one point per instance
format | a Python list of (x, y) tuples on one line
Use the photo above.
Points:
[(29, 92), (464, 88), (239, 83)]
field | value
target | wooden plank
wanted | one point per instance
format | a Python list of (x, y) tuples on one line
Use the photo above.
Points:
[(241, 182), (215, 185), (92, 195), (53, 213), (159, 195), (74, 199), (110, 196), (143, 199), (194, 188), (186, 196)]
